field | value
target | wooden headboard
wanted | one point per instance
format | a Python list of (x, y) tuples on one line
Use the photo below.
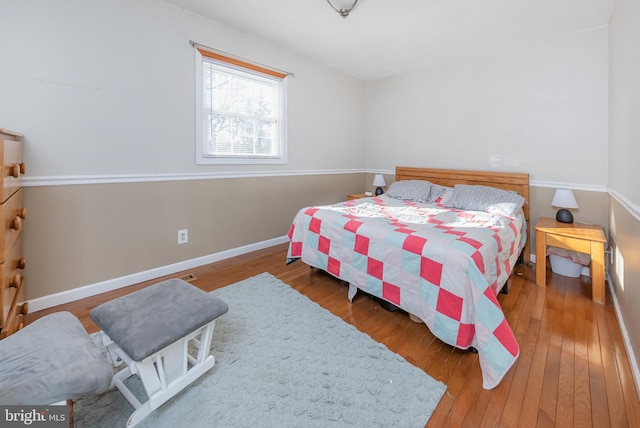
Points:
[(516, 182)]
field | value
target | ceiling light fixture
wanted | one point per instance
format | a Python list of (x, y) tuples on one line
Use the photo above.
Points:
[(344, 12)]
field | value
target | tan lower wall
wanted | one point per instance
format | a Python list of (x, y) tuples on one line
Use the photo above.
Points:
[(625, 270), (81, 235), (84, 234)]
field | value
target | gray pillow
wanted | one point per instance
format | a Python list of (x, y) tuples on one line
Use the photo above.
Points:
[(415, 190), (436, 192), (485, 198)]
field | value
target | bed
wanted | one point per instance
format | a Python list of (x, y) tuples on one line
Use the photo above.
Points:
[(440, 244)]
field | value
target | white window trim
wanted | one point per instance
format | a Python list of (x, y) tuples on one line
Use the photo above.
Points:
[(201, 159)]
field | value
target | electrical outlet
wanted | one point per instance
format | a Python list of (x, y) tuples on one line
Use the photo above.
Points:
[(183, 236)]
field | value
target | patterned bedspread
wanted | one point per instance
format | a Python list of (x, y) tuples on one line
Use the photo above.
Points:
[(443, 265)]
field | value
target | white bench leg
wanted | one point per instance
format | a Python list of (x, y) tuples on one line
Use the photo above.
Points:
[(164, 373)]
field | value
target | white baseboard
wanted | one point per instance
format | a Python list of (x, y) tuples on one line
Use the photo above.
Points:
[(125, 281), (625, 337)]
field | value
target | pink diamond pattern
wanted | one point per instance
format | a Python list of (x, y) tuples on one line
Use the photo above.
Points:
[(474, 243), (391, 293), (352, 226), (405, 230), (431, 270), (477, 259), (333, 267), (375, 268), (314, 225), (466, 332), (449, 304), (361, 245), (414, 244), (324, 245), (506, 337)]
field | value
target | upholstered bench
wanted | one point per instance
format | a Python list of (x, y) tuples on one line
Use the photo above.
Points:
[(51, 360), (150, 330)]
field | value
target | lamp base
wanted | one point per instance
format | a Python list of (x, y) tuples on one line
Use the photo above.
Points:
[(564, 216), (379, 191)]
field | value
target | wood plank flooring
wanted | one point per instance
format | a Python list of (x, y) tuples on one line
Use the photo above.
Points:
[(572, 371)]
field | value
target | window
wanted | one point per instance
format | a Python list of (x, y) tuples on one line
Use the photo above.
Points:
[(240, 112)]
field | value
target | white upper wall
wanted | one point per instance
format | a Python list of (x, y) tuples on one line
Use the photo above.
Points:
[(540, 108), (106, 87), (624, 139)]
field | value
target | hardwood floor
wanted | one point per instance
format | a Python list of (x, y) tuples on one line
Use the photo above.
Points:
[(572, 371)]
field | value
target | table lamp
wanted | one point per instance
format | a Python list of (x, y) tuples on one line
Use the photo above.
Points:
[(378, 180), (564, 199)]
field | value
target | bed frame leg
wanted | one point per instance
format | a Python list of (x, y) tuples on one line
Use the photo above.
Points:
[(505, 288), (352, 292), (70, 405)]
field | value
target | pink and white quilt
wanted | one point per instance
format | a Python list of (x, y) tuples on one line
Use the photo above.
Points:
[(440, 264)]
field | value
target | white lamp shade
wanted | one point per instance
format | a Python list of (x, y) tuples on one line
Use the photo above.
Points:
[(378, 180), (564, 198)]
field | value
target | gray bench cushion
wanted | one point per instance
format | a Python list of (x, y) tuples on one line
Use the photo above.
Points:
[(50, 360), (152, 318)]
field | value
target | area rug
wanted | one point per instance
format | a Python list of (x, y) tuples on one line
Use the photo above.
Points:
[(284, 361)]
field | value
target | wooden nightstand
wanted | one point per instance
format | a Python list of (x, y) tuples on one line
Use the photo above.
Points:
[(357, 196), (580, 237)]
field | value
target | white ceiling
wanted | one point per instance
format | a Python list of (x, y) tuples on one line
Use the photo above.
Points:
[(381, 38)]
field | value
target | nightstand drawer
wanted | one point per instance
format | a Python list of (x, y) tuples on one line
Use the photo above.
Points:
[(581, 246)]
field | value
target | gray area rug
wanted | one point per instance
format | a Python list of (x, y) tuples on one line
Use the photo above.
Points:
[(284, 361)]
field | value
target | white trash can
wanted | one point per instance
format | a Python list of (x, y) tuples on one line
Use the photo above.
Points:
[(565, 266)]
